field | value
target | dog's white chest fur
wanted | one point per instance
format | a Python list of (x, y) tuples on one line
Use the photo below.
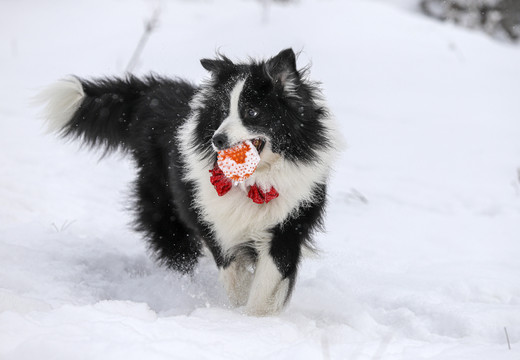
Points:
[(236, 219)]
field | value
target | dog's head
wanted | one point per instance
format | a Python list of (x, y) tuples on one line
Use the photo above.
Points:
[(270, 103)]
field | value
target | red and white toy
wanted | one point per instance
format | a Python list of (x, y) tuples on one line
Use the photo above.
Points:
[(239, 162)]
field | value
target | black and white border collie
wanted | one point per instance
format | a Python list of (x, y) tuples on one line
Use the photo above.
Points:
[(256, 230)]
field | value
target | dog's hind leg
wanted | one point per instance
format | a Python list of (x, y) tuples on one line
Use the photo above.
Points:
[(175, 244)]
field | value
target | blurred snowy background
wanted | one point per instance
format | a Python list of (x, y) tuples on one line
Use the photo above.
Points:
[(421, 255)]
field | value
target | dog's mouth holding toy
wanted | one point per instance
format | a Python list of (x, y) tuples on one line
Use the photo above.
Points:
[(258, 144), (240, 161)]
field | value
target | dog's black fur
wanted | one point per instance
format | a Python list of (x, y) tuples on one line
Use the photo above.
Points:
[(149, 118)]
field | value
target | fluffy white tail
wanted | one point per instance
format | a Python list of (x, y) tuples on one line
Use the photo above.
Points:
[(61, 100)]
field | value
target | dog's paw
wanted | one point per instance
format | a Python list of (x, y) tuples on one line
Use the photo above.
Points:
[(267, 304)]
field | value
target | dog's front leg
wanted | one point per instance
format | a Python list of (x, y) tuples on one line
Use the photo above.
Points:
[(275, 272), (279, 252)]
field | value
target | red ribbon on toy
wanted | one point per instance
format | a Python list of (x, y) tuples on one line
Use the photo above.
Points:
[(222, 185), (259, 197)]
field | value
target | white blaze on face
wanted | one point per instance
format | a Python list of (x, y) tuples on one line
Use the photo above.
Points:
[(232, 126)]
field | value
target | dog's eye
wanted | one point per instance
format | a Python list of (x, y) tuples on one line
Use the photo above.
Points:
[(251, 113), (225, 113)]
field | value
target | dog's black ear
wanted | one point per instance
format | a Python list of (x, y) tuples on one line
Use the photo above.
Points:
[(282, 71), (285, 61), (218, 65)]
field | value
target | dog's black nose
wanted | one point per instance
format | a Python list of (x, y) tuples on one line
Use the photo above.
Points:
[(220, 141)]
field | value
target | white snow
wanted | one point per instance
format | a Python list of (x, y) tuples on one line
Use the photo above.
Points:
[(421, 258)]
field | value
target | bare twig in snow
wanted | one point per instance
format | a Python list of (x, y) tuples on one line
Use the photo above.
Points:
[(507, 338), (66, 224), (149, 27), (63, 227)]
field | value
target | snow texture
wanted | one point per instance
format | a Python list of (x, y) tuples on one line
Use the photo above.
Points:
[(421, 258)]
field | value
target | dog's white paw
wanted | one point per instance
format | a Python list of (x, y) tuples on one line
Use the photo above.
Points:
[(272, 303), (269, 291)]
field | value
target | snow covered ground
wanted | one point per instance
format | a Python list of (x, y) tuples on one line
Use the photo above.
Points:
[(421, 258)]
